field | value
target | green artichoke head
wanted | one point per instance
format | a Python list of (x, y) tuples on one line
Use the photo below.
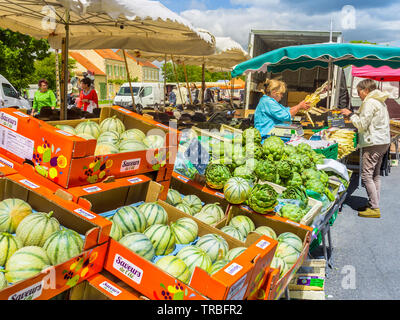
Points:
[(216, 175), (266, 170), (262, 198), (284, 169), (251, 136), (291, 212), (274, 147)]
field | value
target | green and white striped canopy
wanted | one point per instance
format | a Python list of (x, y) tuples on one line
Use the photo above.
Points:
[(319, 55)]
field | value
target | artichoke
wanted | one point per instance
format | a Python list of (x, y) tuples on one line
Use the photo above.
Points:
[(238, 155), (291, 212), (245, 173), (266, 171), (295, 180), (284, 169), (254, 150), (216, 175), (296, 193), (311, 174), (289, 150), (251, 135), (262, 198), (324, 177), (306, 161), (274, 148), (295, 162), (251, 164), (304, 148), (315, 185)]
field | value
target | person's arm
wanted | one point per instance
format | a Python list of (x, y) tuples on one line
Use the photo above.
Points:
[(53, 100), (79, 103), (363, 120), (277, 111), (301, 106), (34, 104), (95, 98)]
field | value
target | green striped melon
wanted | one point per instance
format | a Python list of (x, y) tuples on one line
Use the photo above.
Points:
[(3, 280), (154, 213), (162, 237), (8, 245), (218, 265), (109, 137), (66, 128), (36, 228), (206, 218), (279, 263), (154, 141), (115, 232), (26, 263), (267, 231), (112, 124), (173, 197), (287, 253), (185, 208), (133, 134), (185, 230), (233, 232), (105, 148), (86, 136), (193, 202), (12, 212), (214, 209), (234, 253), (214, 245), (291, 239), (63, 245), (88, 127), (243, 223), (194, 257), (130, 219), (131, 146), (175, 267), (140, 244), (236, 190)]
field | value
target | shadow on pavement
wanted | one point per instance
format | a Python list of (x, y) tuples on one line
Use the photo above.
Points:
[(354, 202)]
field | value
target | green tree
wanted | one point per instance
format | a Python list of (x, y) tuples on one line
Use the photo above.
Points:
[(17, 55), (362, 41), (46, 69)]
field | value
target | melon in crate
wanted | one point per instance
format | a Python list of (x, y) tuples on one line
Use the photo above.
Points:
[(154, 141), (154, 213), (3, 280), (116, 232), (66, 128), (185, 230), (236, 190), (267, 231), (162, 238), (288, 253), (206, 218), (8, 245), (233, 232), (175, 267), (235, 252), (12, 212), (218, 265), (195, 257), (36, 228), (63, 245), (133, 134), (193, 202), (243, 223), (140, 244), (26, 263), (130, 219), (291, 239), (213, 209), (214, 245), (173, 197), (185, 208), (88, 127), (279, 263), (85, 136), (109, 137), (131, 146), (112, 124)]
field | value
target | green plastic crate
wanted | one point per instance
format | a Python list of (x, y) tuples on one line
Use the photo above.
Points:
[(316, 242), (330, 152), (333, 218)]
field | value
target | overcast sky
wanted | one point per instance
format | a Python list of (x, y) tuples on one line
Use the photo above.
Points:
[(374, 20)]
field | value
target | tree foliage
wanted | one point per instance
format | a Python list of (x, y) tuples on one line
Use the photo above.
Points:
[(18, 53)]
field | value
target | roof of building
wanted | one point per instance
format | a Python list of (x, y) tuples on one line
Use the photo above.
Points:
[(86, 63), (108, 54), (141, 62)]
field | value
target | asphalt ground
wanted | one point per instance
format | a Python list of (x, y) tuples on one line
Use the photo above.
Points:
[(365, 250)]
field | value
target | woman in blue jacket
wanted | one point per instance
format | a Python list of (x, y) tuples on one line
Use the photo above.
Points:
[(270, 112)]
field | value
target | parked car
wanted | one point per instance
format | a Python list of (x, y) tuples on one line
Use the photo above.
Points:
[(10, 97), (145, 94)]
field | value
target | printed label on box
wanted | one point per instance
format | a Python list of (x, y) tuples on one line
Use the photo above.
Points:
[(21, 114), (84, 213), (233, 269), (125, 110), (221, 195), (64, 133), (236, 288), (135, 180), (16, 144), (8, 121), (183, 179), (262, 244), (1, 165), (6, 162), (110, 288), (130, 165), (30, 293), (128, 269), (92, 189), (30, 184), (293, 223)]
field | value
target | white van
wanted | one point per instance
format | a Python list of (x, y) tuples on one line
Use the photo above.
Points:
[(9, 97), (145, 94)]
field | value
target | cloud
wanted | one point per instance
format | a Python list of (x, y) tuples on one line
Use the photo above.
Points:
[(197, 5)]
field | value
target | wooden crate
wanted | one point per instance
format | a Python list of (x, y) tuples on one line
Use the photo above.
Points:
[(309, 281)]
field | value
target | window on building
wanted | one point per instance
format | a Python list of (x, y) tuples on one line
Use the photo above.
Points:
[(115, 71)]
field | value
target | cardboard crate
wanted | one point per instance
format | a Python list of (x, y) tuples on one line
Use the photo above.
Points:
[(57, 279), (279, 225), (27, 138), (103, 286), (6, 169)]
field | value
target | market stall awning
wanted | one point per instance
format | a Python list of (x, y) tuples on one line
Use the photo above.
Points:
[(379, 74), (106, 24), (320, 55)]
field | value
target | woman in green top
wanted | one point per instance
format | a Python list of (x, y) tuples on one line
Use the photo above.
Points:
[(43, 98)]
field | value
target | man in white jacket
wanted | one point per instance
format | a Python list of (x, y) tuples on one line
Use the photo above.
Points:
[(373, 124)]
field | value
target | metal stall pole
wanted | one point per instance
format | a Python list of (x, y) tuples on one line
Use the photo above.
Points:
[(129, 80)]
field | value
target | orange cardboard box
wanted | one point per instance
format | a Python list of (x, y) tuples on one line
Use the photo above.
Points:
[(59, 278), (69, 161), (279, 225), (6, 169)]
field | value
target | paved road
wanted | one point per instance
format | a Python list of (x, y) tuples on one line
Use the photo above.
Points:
[(365, 251)]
